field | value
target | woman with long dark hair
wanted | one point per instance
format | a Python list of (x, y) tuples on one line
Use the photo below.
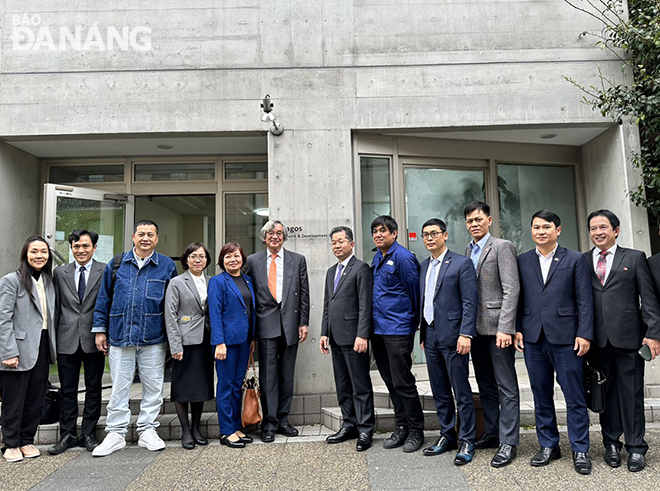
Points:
[(232, 313), (27, 347), (188, 332)]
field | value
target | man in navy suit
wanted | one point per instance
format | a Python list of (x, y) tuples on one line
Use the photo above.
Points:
[(448, 287), (555, 329)]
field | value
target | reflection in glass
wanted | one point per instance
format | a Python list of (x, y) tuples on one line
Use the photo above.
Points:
[(375, 187), (243, 221), (175, 172), (246, 170), (86, 173), (526, 189)]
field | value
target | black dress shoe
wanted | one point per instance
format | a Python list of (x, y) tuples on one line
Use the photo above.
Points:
[(397, 438), (66, 442), (636, 462), (465, 453), (487, 441), (224, 439), (441, 446), (582, 463), (287, 430), (267, 436), (200, 440), (89, 442), (612, 455), (342, 435), (245, 439), (188, 445), (504, 456), (414, 441), (545, 456), (364, 442)]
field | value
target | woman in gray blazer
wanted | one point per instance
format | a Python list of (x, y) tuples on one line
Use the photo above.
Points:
[(27, 347), (188, 333)]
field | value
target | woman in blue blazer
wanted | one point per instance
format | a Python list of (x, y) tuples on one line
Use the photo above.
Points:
[(232, 314), (27, 347)]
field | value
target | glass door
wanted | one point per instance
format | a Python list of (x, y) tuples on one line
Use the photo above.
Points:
[(68, 208), (439, 193)]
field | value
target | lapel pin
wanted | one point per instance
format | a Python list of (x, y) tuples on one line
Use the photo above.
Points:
[(625, 269), (557, 259), (447, 261)]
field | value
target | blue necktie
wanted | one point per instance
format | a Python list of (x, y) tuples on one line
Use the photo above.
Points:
[(430, 292), (81, 284), (340, 267)]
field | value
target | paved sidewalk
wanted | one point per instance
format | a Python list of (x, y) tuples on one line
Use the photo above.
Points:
[(307, 463)]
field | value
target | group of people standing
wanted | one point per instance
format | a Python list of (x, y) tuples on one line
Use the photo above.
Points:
[(556, 305)]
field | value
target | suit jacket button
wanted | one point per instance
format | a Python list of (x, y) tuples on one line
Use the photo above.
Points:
[(542, 308)]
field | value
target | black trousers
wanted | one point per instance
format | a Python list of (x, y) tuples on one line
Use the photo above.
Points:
[(393, 356), (624, 397), (23, 396), (495, 371), (355, 393), (277, 362), (68, 367)]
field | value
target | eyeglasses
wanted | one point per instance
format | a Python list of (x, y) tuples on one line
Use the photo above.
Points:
[(431, 235), (277, 233), (195, 257)]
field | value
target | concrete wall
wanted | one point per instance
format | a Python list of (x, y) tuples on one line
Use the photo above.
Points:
[(607, 177), (20, 202)]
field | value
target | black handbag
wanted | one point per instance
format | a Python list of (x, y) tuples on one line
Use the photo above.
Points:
[(594, 387), (51, 412)]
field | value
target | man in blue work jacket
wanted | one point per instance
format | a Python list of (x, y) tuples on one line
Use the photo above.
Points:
[(396, 317), (129, 327)]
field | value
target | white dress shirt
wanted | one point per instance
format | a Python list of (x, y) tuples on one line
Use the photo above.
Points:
[(431, 282), (200, 284), (609, 260), (344, 263), (76, 277), (279, 262), (141, 262), (545, 262)]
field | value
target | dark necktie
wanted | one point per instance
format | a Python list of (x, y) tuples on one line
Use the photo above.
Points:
[(601, 266), (340, 267), (81, 284)]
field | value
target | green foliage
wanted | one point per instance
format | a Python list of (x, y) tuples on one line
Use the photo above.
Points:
[(635, 39)]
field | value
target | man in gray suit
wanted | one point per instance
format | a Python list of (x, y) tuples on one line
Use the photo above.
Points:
[(493, 353), (76, 287), (282, 299), (347, 327)]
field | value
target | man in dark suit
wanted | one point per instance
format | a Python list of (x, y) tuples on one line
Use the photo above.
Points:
[(282, 299), (493, 353), (626, 316), (448, 289), (555, 329), (76, 288), (347, 327)]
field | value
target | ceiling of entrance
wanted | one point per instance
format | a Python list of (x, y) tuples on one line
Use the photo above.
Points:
[(234, 144)]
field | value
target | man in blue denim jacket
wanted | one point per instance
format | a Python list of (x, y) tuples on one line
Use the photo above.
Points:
[(129, 327)]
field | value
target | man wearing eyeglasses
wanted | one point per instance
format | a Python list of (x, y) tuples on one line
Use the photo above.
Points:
[(282, 299), (493, 353), (448, 287)]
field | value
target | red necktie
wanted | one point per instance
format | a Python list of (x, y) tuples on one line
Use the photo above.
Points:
[(601, 266)]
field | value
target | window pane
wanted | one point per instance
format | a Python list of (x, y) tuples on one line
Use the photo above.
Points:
[(441, 193), (526, 189), (86, 173), (175, 172), (375, 187), (246, 170), (245, 214)]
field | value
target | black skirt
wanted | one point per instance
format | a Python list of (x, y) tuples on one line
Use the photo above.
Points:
[(192, 377)]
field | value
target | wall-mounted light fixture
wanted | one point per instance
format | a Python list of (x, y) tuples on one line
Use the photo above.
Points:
[(268, 117)]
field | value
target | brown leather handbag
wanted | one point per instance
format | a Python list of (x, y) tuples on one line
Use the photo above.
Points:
[(251, 414)]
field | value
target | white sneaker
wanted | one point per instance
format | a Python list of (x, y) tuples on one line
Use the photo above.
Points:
[(113, 442), (150, 440)]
